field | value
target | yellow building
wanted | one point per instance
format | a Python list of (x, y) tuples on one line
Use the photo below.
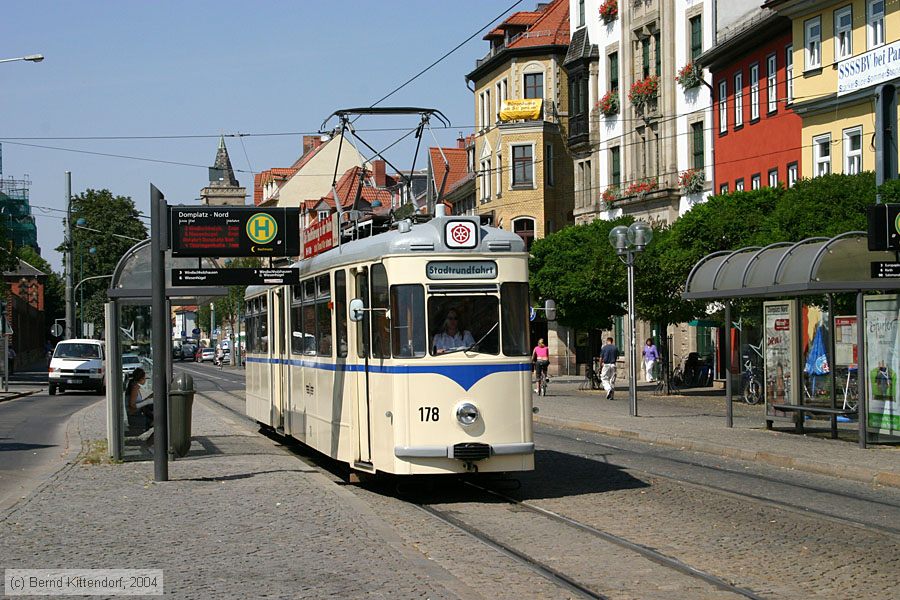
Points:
[(523, 172), (848, 44)]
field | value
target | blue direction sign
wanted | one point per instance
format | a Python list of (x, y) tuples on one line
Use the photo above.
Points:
[(195, 331)]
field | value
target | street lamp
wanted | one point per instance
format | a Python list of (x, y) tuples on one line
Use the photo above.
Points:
[(30, 58), (628, 242)]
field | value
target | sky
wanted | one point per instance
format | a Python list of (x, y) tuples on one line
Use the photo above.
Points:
[(204, 68)]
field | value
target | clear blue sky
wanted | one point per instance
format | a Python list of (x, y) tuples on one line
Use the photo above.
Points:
[(210, 67)]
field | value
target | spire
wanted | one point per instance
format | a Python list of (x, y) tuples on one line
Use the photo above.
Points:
[(221, 174)]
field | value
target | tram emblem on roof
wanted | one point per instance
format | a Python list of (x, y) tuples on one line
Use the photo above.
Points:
[(461, 234)]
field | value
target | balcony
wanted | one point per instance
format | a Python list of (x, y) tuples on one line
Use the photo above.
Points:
[(579, 129)]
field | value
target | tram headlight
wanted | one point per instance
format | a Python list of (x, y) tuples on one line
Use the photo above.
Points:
[(466, 413)]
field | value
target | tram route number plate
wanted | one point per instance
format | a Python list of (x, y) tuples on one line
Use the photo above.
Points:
[(885, 270), (223, 277)]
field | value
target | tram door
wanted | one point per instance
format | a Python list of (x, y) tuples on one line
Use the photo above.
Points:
[(363, 351), (280, 372)]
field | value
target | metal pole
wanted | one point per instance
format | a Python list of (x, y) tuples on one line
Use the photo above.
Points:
[(160, 326), (70, 296), (729, 409), (212, 324), (114, 391), (862, 383), (5, 362), (632, 366)]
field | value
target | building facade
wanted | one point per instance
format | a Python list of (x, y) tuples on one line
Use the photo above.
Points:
[(836, 129), (523, 175), (756, 133), (639, 108)]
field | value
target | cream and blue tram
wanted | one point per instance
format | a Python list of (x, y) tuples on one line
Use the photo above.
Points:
[(345, 362)]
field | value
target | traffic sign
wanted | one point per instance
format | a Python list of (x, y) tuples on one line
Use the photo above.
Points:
[(56, 330), (222, 277), (234, 231), (195, 331)]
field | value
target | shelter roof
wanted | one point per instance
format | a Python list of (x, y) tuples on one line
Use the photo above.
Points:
[(812, 266)]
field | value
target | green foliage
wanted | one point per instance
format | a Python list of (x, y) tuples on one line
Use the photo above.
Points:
[(825, 206), (577, 268), (108, 215), (54, 285)]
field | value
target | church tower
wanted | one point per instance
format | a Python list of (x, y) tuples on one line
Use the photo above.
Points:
[(223, 188)]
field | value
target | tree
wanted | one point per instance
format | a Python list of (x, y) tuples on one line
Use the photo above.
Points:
[(577, 268), (114, 227)]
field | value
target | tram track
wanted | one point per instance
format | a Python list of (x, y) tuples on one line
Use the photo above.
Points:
[(808, 511)]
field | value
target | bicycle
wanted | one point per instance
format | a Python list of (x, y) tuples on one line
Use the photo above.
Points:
[(542, 378), (851, 390), (752, 386), (666, 384), (591, 376)]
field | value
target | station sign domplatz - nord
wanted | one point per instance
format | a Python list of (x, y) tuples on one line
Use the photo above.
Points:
[(230, 231)]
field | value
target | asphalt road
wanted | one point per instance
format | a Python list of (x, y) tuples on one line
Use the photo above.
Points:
[(33, 440)]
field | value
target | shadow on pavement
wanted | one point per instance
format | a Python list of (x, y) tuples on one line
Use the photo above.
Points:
[(19, 446)]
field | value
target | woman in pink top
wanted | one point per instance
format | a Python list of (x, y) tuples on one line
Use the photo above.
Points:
[(541, 356)]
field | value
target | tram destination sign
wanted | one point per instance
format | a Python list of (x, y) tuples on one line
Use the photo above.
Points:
[(224, 277), (234, 231), (885, 270)]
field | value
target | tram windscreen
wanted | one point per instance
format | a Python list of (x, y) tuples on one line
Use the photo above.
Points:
[(459, 323)]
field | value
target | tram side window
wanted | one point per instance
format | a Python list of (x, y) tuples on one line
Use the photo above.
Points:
[(262, 327), (362, 326), (306, 341), (249, 321), (514, 318), (408, 320), (381, 334), (323, 316), (340, 311), (297, 324)]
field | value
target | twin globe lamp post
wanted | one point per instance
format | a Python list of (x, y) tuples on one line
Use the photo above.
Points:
[(628, 242)]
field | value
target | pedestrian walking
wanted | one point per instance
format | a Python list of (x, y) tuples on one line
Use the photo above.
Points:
[(608, 355), (651, 356)]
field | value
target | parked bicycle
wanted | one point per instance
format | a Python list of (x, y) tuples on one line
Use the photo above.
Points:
[(670, 380), (752, 392), (851, 389), (591, 376)]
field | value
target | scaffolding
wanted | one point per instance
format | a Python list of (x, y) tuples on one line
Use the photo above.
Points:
[(15, 213)]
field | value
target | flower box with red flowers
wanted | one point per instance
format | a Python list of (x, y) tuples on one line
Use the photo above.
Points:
[(610, 195), (609, 103), (640, 188), (609, 11), (691, 181), (689, 76), (644, 91)]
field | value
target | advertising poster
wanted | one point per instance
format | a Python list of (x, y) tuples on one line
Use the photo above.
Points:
[(882, 364), (845, 341), (778, 319)]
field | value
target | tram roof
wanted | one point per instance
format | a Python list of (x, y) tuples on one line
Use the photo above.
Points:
[(421, 238)]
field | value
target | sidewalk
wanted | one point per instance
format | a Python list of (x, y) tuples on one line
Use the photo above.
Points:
[(239, 518), (695, 421), (22, 385)]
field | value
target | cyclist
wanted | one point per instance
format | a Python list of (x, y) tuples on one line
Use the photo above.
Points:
[(541, 357)]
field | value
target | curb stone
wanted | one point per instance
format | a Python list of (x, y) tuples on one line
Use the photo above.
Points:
[(862, 474)]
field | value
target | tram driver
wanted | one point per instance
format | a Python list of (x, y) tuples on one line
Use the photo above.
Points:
[(452, 336)]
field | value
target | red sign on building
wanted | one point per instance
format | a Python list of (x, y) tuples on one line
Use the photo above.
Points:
[(318, 238)]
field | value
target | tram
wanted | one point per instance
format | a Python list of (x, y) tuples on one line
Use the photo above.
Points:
[(354, 361)]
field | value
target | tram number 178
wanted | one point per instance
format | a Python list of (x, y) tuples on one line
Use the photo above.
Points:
[(429, 413)]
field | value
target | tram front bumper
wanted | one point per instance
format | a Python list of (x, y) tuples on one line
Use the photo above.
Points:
[(464, 451)]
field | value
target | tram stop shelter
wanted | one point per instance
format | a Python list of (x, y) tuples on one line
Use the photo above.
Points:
[(130, 290), (814, 266)]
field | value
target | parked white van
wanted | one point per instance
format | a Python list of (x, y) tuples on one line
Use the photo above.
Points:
[(78, 364)]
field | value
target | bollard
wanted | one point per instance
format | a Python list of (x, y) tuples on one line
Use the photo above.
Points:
[(181, 402)]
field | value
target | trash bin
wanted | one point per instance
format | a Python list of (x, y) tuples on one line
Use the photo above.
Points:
[(181, 403)]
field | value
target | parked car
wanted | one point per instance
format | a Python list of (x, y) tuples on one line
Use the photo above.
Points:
[(188, 351), (77, 364), (130, 362), (207, 354)]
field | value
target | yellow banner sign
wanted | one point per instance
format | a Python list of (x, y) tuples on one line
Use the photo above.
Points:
[(512, 110)]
